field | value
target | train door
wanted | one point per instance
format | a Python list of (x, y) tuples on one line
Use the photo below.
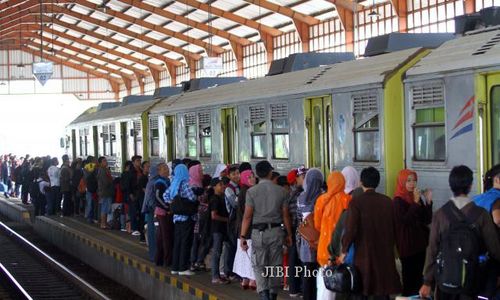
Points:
[(170, 137), (488, 98), (229, 135), (95, 136), (318, 116), (124, 142), (73, 143)]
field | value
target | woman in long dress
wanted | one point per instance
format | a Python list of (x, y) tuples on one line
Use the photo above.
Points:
[(313, 184), (242, 262)]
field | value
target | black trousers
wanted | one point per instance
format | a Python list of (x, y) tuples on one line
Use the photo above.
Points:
[(309, 282), (294, 280), (183, 240), (412, 268), (67, 204), (39, 204)]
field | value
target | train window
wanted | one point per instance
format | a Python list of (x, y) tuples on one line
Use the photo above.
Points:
[(259, 140), (429, 134), (366, 137), (205, 134), (366, 127), (280, 131), (86, 140), (154, 137), (80, 138), (495, 124), (190, 122), (259, 131), (112, 139), (105, 139), (137, 138)]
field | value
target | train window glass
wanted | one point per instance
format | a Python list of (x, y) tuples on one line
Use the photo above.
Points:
[(112, 139), (495, 124), (366, 137), (280, 131), (154, 137), (205, 134), (191, 141), (259, 131), (205, 141), (105, 139), (429, 134), (137, 137), (259, 140), (366, 127)]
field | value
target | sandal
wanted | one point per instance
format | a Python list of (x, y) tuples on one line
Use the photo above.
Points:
[(219, 281)]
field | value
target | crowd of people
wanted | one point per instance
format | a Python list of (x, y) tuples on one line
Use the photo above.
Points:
[(244, 220)]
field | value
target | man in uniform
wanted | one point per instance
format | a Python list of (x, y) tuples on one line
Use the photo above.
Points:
[(266, 209)]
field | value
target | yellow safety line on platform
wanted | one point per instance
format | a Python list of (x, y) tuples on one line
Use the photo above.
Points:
[(123, 257)]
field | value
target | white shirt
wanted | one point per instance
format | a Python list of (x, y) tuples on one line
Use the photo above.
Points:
[(53, 173), (42, 184)]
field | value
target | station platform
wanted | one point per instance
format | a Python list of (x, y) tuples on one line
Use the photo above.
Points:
[(121, 257)]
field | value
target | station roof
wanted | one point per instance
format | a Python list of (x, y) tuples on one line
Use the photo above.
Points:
[(122, 39)]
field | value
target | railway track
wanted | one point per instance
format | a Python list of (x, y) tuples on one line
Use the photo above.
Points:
[(30, 273)]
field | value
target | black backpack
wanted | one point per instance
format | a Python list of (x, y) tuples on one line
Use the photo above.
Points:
[(459, 250), (92, 182)]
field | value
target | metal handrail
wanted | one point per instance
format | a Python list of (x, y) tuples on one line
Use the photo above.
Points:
[(74, 278)]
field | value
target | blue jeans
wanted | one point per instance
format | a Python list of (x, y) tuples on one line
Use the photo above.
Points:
[(151, 236), (88, 206), (105, 205), (217, 242)]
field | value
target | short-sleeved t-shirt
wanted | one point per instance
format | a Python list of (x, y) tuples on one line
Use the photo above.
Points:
[(218, 204), (267, 200)]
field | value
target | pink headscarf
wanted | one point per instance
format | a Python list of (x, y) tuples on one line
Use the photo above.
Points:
[(195, 176), (244, 177)]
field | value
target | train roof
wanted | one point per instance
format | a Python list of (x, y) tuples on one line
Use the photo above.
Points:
[(120, 112), (371, 70), (474, 51)]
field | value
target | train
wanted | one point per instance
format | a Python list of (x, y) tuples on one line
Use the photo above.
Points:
[(422, 101)]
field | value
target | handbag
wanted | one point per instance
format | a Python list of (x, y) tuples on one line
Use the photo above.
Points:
[(184, 206), (308, 232), (344, 279)]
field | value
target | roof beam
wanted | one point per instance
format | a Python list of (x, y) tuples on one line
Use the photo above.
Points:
[(347, 19), (401, 9), (27, 5), (139, 36), (81, 60), (72, 65), (114, 41), (285, 11), (36, 28), (233, 17), (88, 53), (177, 18), (347, 4), (207, 46)]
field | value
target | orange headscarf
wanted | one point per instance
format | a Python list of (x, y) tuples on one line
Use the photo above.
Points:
[(401, 190), (327, 210)]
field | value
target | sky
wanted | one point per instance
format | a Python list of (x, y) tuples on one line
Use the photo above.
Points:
[(34, 123)]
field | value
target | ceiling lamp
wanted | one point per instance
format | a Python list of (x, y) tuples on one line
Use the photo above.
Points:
[(21, 65), (373, 14)]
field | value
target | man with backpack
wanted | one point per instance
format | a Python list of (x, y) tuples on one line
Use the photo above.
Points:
[(460, 232), (90, 179)]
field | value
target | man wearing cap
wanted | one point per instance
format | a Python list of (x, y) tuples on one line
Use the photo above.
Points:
[(266, 209)]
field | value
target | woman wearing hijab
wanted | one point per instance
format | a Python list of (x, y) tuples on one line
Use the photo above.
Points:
[(313, 183), (242, 263), (413, 212), (183, 225), (327, 211)]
